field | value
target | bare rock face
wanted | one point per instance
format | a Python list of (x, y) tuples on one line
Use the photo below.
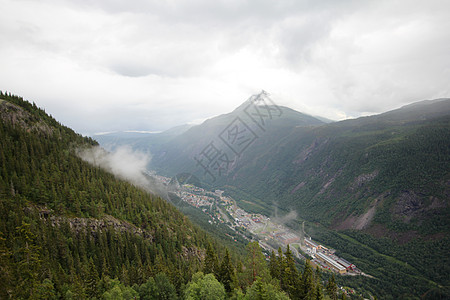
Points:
[(364, 220), (408, 204), (411, 204), (17, 116), (298, 186), (190, 253), (306, 153), (362, 179), (94, 225)]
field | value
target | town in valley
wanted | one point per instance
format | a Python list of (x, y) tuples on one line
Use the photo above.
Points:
[(269, 233)]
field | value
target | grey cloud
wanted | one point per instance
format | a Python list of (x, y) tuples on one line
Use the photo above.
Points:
[(148, 65)]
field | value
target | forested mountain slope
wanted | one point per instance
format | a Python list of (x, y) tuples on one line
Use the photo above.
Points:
[(393, 167), (397, 163), (66, 227)]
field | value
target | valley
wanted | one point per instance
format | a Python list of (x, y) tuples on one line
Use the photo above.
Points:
[(356, 196), (270, 233), (375, 188)]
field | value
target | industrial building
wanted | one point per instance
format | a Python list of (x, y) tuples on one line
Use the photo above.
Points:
[(334, 265), (326, 257), (309, 243)]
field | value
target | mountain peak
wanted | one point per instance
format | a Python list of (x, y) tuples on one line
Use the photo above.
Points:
[(261, 99)]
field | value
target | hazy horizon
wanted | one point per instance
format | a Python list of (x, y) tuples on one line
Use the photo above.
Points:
[(198, 122)]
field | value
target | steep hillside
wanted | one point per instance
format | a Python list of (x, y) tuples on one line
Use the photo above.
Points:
[(68, 228), (394, 167), (382, 181)]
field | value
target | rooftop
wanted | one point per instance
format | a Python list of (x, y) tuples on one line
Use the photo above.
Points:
[(330, 261)]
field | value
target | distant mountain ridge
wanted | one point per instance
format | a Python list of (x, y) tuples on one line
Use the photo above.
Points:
[(378, 180), (281, 151), (264, 124), (296, 152)]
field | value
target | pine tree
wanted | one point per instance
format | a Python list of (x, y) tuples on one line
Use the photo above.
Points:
[(164, 288), (46, 290), (255, 264), (281, 263), (274, 266), (6, 271), (318, 295), (260, 291), (290, 276), (210, 264), (29, 260), (307, 286), (227, 275), (332, 288), (91, 279)]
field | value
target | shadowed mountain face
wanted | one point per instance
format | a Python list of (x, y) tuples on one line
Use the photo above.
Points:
[(339, 172), (251, 129)]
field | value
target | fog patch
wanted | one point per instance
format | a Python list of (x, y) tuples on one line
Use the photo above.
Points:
[(292, 215), (123, 162)]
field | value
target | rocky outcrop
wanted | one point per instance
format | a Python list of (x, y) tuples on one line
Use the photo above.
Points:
[(190, 253), (411, 204), (330, 180), (362, 179), (299, 186), (17, 116), (94, 225), (306, 153), (362, 221)]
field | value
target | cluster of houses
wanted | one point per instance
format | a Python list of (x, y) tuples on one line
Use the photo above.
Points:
[(196, 200), (321, 255)]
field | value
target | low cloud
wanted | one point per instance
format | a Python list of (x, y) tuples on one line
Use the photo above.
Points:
[(126, 164), (123, 162), (292, 215), (283, 219)]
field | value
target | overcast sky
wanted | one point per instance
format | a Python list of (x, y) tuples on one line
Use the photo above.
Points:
[(109, 65)]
